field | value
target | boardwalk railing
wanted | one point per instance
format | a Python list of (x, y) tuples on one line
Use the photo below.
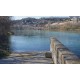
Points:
[(61, 54)]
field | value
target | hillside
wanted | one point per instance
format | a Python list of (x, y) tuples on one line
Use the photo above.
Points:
[(52, 23)]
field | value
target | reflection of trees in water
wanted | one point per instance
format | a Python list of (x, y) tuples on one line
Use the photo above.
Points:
[(4, 37), (29, 32)]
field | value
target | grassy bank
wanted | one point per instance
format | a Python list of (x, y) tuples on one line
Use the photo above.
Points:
[(57, 26), (65, 26)]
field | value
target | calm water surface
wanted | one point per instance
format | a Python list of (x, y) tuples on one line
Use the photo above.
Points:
[(36, 40)]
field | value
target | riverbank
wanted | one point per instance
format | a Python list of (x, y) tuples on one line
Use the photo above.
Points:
[(27, 58), (57, 26), (66, 26)]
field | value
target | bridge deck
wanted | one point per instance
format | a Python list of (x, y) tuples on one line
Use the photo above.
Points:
[(27, 58)]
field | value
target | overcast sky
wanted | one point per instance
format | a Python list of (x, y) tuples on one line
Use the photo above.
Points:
[(20, 17)]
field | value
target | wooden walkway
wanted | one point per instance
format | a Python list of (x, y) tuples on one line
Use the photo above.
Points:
[(27, 58)]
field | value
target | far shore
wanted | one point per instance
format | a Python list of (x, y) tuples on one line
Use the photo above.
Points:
[(67, 26)]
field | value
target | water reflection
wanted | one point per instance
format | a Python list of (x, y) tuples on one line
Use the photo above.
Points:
[(36, 40)]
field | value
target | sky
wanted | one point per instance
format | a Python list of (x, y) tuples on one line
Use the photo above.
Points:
[(20, 17)]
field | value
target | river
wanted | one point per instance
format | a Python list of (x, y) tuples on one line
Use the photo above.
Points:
[(39, 40)]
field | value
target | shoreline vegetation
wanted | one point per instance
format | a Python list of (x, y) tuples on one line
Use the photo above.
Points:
[(4, 37), (52, 24)]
